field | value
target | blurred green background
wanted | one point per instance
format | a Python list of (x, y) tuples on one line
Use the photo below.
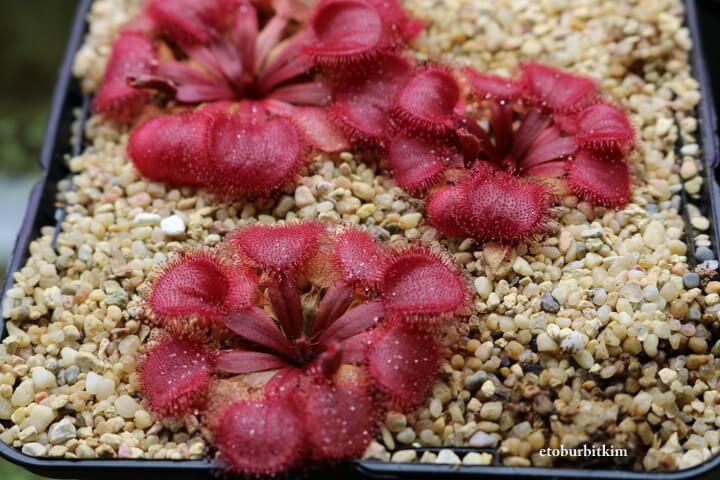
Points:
[(33, 34)]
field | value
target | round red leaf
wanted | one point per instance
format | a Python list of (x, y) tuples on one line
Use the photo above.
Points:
[(500, 207), (427, 102), (173, 149), (419, 282), (279, 248), (347, 32), (404, 361), (175, 376), (558, 90), (603, 179), (255, 155), (132, 55), (361, 104), (419, 162), (604, 127), (260, 437), (442, 207), (197, 285), (359, 257), (340, 420)]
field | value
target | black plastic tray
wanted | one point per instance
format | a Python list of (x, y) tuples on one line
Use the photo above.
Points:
[(702, 16)]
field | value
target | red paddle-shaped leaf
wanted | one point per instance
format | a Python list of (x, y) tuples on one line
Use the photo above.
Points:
[(560, 91), (198, 285), (260, 437), (500, 207), (184, 83), (427, 102), (284, 296), (174, 149), (604, 127), (315, 125), (252, 323), (361, 104), (359, 257), (247, 361), (191, 22), (603, 179), (419, 162), (403, 363), (340, 420), (253, 155), (354, 321), (441, 209), (175, 376), (335, 302), (492, 87), (132, 55), (397, 21), (420, 282), (354, 349), (279, 248), (547, 150), (284, 382), (348, 32)]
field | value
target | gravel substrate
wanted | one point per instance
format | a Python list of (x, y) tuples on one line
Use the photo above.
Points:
[(603, 333)]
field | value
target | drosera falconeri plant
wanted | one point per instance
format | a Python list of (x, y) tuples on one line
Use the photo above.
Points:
[(269, 80), (290, 341), (548, 132), (244, 86)]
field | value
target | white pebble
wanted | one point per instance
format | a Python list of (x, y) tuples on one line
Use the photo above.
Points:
[(39, 417), (651, 293), (142, 419), (99, 386), (654, 234), (126, 406), (303, 197), (670, 291), (146, 219), (574, 342), (603, 313), (34, 449), (62, 431), (6, 409), (545, 343), (23, 394), (488, 388), (592, 232), (690, 149), (409, 220), (483, 286), (650, 345), (172, 225), (447, 456), (667, 376), (43, 379), (325, 206), (522, 267), (404, 456), (482, 440), (129, 345), (584, 359), (476, 458)]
